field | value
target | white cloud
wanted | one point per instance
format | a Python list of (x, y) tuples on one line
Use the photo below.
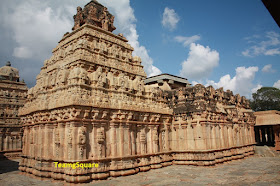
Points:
[(268, 69), (126, 23), (200, 63), (269, 46), (170, 19), (254, 90), (187, 40), (241, 83), (272, 52), (36, 26), (22, 52), (277, 84)]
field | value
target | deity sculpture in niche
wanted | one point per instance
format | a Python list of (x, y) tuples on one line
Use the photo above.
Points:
[(82, 141), (100, 141)]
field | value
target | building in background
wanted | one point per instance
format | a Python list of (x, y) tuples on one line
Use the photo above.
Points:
[(267, 128), (167, 82), (12, 97)]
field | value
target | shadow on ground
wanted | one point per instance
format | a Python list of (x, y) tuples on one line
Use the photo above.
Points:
[(7, 165)]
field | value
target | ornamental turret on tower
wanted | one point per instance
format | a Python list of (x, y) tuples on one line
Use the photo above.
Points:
[(94, 14)]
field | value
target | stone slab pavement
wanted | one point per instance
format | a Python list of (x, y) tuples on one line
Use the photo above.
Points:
[(254, 170)]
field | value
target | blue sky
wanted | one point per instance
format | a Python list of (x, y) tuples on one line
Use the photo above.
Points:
[(234, 44)]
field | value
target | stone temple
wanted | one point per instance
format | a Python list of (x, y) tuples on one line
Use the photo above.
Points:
[(12, 97), (90, 105)]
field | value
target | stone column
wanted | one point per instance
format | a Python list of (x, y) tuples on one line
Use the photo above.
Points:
[(61, 129), (213, 137), (167, 142), (143, 140), (127, 140), (263, 135), (245, 134), (138, 139), (31, 147), (69, 145), (121, 140), (113, 139), (252, 133), (184, 141), (185, 128), (41, 141), (155, 139), (24, 141), (133, 139), (226, 137), (276, 130), (222, 136), (207, 136), (191, 141), (150, 140), (36, 141), (175, 137), (269, 141), (200, 139), (217, 136), (49, 144)]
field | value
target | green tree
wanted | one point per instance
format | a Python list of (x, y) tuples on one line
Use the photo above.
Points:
[(266, 98)]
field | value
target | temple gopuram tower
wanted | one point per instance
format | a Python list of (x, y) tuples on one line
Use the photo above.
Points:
[(90, 105), (12, 97)]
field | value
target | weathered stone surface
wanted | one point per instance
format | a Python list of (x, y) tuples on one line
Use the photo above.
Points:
[(90, 105), (12, 97), (94, 14), (209, 126)]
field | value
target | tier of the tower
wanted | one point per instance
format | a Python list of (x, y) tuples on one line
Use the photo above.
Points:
[(95, 68)]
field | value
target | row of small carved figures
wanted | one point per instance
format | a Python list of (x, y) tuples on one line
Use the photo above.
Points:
[(8, 94), (75, 113), (115, 51), (199, 92)]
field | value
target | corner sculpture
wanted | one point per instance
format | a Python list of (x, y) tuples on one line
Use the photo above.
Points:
[(90, 105)]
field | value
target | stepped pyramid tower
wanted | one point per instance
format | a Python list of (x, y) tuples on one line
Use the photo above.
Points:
[(90, 105)]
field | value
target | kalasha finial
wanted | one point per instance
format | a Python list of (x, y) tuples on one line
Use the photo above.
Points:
[(8, 63), (94, 14)]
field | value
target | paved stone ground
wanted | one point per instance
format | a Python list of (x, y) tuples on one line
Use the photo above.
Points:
[(254, 170)]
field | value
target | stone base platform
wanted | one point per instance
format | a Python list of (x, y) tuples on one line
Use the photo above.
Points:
[(10, 154), (130, 165)]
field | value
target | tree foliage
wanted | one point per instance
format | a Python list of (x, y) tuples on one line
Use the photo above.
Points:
[(266, 98)]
